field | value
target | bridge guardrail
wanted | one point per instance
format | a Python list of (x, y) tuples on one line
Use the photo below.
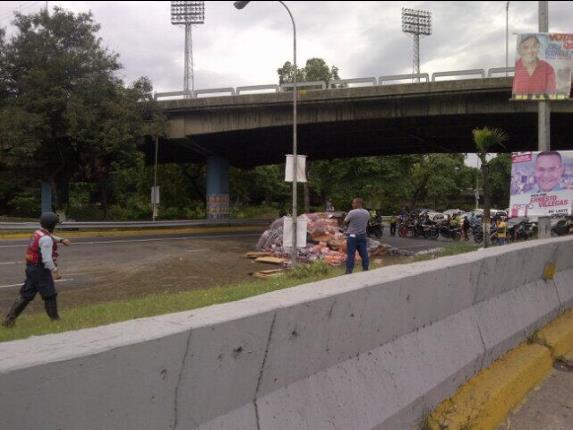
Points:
[(499, 70), (307, 84), (157, 96), (332, 84), (275, 88), (215, 91), (482, 73), (469, 72), (389, 78)]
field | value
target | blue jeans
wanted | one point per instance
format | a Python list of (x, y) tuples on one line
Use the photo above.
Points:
[(353, 244)]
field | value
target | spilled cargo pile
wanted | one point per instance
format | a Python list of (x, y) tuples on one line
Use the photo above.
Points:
[(325, 241)]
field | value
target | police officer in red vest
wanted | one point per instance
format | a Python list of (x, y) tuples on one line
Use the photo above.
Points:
[(41, 270)]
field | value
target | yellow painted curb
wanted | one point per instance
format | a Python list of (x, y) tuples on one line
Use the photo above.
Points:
[(485, 400), (558, 335), (135, 232)]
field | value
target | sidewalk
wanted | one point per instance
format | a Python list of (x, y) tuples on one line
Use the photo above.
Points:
[(547, 407)]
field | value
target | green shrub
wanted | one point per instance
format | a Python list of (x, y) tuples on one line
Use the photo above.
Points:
[(26, 204)]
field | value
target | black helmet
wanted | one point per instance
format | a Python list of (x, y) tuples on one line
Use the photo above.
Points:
[(48, 220)]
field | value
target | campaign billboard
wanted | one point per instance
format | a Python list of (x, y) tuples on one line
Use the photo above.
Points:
[(543, 66), (541, 184)]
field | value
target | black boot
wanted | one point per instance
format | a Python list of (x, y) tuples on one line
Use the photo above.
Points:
[(16, 309), (51, 305)]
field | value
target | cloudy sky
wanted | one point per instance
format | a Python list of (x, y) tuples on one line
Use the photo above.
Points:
[(246, 47)]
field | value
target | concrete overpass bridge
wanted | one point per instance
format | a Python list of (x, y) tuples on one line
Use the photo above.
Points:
[(247, 130)]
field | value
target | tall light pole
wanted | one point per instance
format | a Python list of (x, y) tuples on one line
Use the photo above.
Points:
[(155, 192), (241, 5), (544, 132), (188, 13), (416, 22), (506, 37)]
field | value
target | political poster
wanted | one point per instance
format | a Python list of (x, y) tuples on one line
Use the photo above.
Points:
[(541, 184), (543, 66)]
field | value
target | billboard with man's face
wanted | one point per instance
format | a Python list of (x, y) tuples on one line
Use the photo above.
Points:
[(543, 66), (541, 183)]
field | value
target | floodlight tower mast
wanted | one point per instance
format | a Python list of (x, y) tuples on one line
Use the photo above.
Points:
[(188, 13), (416, 22)]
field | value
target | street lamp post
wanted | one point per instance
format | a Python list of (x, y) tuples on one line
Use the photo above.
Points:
[(506, 37), (241, 5), (155, 192)]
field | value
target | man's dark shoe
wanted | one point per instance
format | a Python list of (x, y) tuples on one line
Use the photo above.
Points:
[(16, 309)]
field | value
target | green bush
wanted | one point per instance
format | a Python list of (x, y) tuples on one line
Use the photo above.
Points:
[(26, 204), (248, 212), (85, 213)]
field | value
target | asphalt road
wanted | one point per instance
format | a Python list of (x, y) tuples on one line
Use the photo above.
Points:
[(108, 269)]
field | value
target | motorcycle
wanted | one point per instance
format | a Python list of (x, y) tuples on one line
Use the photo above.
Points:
[(523, 230), (431, 231), (561, 228), (375, 227), (450, 232)]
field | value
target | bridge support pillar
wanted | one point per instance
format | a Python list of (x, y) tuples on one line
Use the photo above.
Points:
[(217, 188), (46, 191)]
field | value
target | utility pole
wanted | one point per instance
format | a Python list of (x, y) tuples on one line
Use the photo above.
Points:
[(544, 126), (506, 37)]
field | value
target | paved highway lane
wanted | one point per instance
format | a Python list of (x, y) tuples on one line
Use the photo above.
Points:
[(102, 269), (108, 269)]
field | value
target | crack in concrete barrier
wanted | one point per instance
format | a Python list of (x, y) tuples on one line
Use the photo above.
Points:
[(179, 380), (477, 282), (483, 344), (260, 378)]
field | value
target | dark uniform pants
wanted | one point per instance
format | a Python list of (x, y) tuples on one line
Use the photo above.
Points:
[(38, 280), (356, 243)]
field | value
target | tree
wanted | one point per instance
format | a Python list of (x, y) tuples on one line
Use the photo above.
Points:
[(316, 69), (65, 105), (500, 179), (287, 72), (485, 139), (107, 138)]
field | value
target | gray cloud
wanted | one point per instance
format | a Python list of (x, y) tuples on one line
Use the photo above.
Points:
[(246, 47)]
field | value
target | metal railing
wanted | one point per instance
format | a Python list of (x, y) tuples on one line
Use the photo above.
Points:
[(308, 84), (392, 78), (342, 83), (275, 88), (471, 72), (508, 71), (215, 91)]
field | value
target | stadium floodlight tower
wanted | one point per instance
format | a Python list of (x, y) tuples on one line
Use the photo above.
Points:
[(417, 22), (188, 13)]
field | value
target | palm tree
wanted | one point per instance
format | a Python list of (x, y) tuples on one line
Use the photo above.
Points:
[(485, 139)]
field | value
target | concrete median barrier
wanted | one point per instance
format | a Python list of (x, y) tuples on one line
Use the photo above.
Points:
[(378, 349)]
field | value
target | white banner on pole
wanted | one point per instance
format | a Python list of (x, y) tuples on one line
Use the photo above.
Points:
[(301, 228), (155, 195), (300, 167)]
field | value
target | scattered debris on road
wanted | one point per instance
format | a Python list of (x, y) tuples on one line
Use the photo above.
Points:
[(325, 241)]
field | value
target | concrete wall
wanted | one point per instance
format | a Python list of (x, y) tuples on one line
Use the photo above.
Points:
[(372, 350)]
